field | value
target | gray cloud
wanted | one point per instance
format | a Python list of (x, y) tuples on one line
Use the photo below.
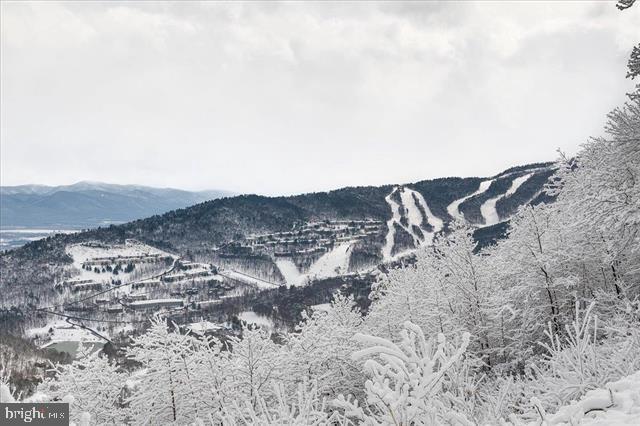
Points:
[(283, 98)]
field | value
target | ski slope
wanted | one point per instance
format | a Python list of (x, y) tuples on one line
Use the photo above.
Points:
[(488, 208), (395, 218), (414, 215), (454, 208), (418, 212), (290, 272), (436, 223), (331, 264)]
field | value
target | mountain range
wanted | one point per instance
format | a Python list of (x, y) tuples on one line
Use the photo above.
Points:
[(293, 239), (90, 204)]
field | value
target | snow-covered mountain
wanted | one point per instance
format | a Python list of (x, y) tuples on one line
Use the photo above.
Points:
[(90, 204), (299, 239)]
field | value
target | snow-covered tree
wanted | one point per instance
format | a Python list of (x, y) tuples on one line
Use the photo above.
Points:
[(181, 375), (93, 385), (409, 382), (319, 350)]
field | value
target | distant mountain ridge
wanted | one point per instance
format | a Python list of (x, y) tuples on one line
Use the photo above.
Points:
[(90, 204)]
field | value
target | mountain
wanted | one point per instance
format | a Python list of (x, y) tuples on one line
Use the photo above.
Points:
[(295, 240), (90, 204)]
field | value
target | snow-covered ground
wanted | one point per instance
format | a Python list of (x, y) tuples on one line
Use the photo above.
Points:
[(247, 279), (618, 403), (290, 272), (517, 183), (331, 264), (454, 208), (62, 331), (65, 337), (84, 252), (488, 208), (251, 317), (202, 327)]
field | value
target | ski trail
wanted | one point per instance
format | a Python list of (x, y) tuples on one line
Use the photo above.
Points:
[(454, 208), (488, 208), (290, 272), (395, 218), (414, 215), (517, 183), (332, 263), (435, 222)]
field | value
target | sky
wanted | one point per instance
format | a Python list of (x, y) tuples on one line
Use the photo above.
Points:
[(283, 98)]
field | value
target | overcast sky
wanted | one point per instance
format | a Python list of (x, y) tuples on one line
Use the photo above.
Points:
[(295, 97)]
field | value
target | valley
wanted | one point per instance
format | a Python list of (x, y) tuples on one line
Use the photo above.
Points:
[(104, 284)]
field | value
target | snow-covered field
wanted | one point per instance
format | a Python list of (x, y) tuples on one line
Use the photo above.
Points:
[(84, 252)]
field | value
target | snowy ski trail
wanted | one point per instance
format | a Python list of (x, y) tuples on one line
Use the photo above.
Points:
[(415, 204), (488, 208), (330, 264), (395, 218), (435, 222), (454, 208), (290, 272)]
